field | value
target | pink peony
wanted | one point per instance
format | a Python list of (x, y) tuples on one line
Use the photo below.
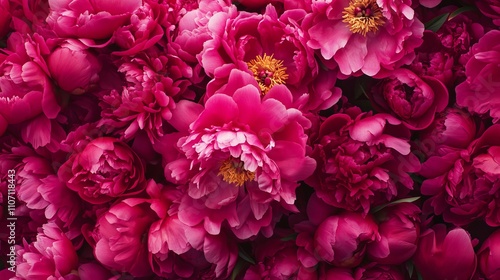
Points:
[(399, 229), (24, 84), (73, 67), (242, 163), (119, 238), (342, 239), (375, 271), (489, 256), (464, 185), (443, 254), (479, 92), (155, 82), (104, 170), (89, 19), (412, 99), (452, 129), (490, 8), (363, 160), (364, 36), (51, 256), (5, 17)]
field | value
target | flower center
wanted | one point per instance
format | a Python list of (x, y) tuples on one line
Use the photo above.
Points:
[(232, 172), (363, 16), (268, 72)]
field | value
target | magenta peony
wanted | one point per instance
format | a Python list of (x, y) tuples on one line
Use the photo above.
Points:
[(412, 99), (5, 17), (51, 256), (241, 164), (364, 36), (399, 229), (73, 67), (363, 161), (119, 238), (490, 8), (445, 255), (479, 92), (375, 271), (489, 256), (464, 185), (89, 19), (104, 170), (342, 239)]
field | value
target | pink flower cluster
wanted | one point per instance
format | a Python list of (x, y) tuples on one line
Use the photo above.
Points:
[(250, 139)]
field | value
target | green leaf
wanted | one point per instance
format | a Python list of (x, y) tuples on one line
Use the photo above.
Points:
[(244, 255), (461, 10), (240, 265), (409, 199), (289, 237), (410, 267), (436, 23)]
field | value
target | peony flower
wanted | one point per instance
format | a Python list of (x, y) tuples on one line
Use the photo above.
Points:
[(118, 238), (104, 170), (443, 254), (489, 256), (241, 164), (374, 271), (463, 185), (362, 161), (73, 67), (452, 129), (342, 239), (412, 99), (338, 273), (364, 36), (89, 19), (399, 229), (490, 8), (51, 256), (429, 3), (155, 82), (5, 17), (24, 83), (277, 259), (143, 31), (93, 270), (270, 47), (478, 92)]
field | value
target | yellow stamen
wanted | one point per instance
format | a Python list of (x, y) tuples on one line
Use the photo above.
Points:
[(363, 16), (232, 172), (268, 72)]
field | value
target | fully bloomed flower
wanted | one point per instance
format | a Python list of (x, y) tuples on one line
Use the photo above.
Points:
[(443, 254), (363, 160), (399, 229), (25, 88), (479, 92), (243, 158), (412, 99), (155, 82), (464, 185), (104, 170), (489, 256), (342, 239), (89, 19), (51, 256), (119, 238), (490, 8), (364, 36), (452, 129)]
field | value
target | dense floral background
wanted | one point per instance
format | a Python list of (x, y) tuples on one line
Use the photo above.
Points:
[(254, 139)]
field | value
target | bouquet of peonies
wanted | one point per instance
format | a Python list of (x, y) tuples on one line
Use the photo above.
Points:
[(253, 139)]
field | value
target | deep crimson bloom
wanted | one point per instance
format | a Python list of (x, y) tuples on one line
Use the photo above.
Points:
[(89, 19), (479, 92), (443, 254), (399, 229), (464, 185), (51, 256), (363, 160), (364, 36), (375, 271), (104, 170), (490, 8), (242, 163), (342, 239), (5, 17), (412, 99), (489, 256)]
